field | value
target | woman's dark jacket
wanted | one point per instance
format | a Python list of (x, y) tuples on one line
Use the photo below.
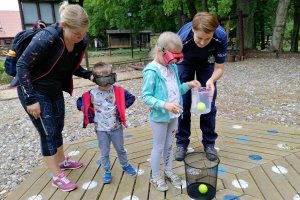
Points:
[(40, 58)]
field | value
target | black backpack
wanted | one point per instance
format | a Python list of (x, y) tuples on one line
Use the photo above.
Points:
[(21, 41)]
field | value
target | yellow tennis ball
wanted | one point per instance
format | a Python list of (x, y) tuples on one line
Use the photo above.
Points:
[(201, 106), (202, 188)]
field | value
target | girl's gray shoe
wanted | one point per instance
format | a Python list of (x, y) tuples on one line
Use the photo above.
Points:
[(159, 184), (173, 178)]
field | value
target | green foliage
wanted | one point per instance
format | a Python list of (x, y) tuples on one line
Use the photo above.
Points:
[(171, 6), (4, 78)]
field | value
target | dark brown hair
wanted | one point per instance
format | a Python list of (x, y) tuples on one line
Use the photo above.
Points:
[(205, 22)]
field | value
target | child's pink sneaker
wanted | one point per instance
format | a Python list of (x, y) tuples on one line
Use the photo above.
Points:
[(70, 164), (63, 183)]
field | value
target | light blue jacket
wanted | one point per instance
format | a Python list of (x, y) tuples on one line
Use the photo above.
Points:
[(155, 93)]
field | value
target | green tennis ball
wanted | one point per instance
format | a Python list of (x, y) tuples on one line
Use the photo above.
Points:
[(202, 188), (201, 106)]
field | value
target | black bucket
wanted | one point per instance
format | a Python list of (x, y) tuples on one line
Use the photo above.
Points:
[(201, 171)]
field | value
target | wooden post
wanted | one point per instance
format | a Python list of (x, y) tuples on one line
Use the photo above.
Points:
[(241, 35)]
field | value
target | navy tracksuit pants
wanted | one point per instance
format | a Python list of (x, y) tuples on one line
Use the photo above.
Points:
[(207, 121)]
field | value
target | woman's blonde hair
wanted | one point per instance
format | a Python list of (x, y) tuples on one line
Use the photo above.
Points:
[(205, 22), (169, 41), (73, 15)]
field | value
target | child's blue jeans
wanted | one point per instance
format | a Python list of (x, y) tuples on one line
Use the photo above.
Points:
[(116, 138)]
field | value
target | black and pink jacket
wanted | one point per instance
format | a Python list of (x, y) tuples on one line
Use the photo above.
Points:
[(41, 56), (124, 99)]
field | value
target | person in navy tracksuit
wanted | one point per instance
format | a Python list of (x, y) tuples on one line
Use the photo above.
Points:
[(204, 50)]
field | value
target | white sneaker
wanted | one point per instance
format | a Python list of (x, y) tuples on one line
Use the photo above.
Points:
[(173, 178), (159, 184)]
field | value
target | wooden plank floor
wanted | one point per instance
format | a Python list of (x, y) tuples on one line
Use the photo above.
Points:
[(257, 161)]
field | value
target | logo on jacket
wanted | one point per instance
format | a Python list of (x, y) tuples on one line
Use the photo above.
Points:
[(211, 59)]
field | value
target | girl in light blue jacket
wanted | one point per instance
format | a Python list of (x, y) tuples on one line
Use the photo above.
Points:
[(162, 92)]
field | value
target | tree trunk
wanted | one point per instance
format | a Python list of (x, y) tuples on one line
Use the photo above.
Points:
[(204, 5), (296, 26), (192, 8), (248, 7), (281, 15)]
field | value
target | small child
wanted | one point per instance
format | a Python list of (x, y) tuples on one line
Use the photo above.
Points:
[(162, 91), (107, 103)]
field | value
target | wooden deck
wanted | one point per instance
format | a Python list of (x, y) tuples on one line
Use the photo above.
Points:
[(257, 161)]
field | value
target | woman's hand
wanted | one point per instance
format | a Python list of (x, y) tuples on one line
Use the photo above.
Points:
[(210, 85), (173, 107), (194, 83), (34, 110)]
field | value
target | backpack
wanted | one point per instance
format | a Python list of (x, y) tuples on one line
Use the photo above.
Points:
[(20, 43)]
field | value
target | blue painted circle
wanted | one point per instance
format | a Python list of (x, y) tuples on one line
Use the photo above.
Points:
[(272, 131), (94, 143), (230, 197), (128, 136), (222, 170), (242, 139), (255, 157)]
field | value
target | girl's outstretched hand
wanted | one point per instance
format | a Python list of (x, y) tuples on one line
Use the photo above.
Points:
[(173, 107), (194, 84)]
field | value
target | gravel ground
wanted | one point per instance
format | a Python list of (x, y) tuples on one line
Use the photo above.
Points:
[(256, 90)]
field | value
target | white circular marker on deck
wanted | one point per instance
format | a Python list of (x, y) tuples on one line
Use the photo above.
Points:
[(140, 172), (125, 150), (240, 183), (89, 185), (183, 185), (285, 146), (148, 159), (279, 170), (296, 197), (131, 198), (35, 197), (237, 126), (190, 150), (73, 153)]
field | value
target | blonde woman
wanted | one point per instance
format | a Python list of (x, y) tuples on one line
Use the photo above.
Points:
[(45, 70)]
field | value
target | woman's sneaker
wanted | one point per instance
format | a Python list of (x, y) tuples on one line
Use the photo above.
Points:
[(63, 183), (70, 164), (159, 184), (173, 178)]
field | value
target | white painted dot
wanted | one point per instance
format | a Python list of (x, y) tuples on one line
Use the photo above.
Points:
[(193, 171), (148, 159), (73, 153), (190, 150), (183, 184), (217, 148), (131, 198), (140, 172), (237, 126), (296, 197), (35, 197), (279, 170), (89, 185), (285, 146), (240, 183)]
